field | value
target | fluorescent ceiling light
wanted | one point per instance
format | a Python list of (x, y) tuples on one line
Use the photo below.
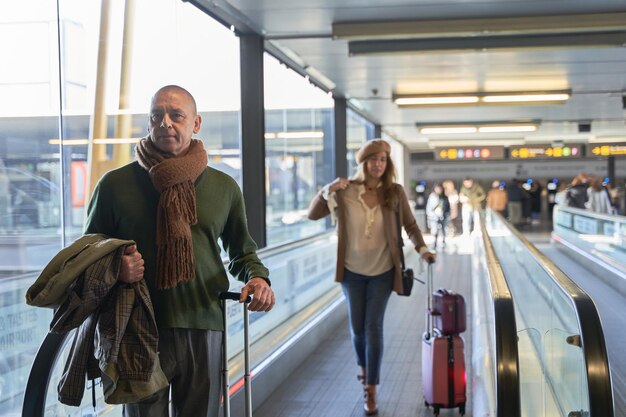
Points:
[(306, 134), (522, 97), (434, 100), (519, 98), (607, 139), (507, 129), (105, 141), (442, 130), (481, 127)]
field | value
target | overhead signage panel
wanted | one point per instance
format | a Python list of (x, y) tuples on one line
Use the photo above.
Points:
[(606, 149), (469, 153), (544, 152)]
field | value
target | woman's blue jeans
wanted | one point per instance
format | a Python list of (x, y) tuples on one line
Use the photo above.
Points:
[(367, 301)]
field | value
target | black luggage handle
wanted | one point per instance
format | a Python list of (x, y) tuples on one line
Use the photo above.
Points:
[(235, 296)]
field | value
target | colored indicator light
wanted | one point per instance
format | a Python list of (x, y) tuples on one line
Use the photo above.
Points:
[(567, 151), (574, 151), (485, 153)]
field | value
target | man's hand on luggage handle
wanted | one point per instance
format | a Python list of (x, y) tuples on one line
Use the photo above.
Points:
[(263, 297)]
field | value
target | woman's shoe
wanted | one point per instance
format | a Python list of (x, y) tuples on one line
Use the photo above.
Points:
[(369, 406)]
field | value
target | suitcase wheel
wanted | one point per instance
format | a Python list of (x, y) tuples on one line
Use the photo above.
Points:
[(436, 410), (462, 409), (426, 404)]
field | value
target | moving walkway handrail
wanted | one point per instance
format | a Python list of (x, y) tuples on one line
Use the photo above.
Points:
[(508, 401), (40, 374), (591, 333)]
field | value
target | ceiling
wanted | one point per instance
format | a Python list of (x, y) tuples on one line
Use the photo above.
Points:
[(455, 46)]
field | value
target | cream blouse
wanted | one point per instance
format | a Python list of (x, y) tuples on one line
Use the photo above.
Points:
[(367, 251)]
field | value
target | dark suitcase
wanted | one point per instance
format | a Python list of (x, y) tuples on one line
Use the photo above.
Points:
[(246, 343), (448, 312), (444, 378)]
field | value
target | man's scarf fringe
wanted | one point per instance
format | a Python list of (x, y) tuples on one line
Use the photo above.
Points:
[(173, 178)]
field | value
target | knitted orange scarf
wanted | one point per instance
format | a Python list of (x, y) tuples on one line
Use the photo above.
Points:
[(174, 178)]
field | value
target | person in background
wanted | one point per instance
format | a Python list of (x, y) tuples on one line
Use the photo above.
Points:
[(535, 201), (367, 208), (176, 208), (438, 213), (576, 194), (559, 196), (616, 193), (471, 197), (497, 198), (453, 197), (516, 196), (598, 199)]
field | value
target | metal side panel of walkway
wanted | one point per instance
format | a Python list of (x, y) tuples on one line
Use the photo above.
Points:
[(611, 306), (326, 384)]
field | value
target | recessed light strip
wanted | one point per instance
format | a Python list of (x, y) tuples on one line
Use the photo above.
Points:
[(481, 98), (507, 129), (414, 101), (515, 98), (450, 129), (478, 128)]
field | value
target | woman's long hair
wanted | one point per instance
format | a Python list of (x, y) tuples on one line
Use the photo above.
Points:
[(390, 199)]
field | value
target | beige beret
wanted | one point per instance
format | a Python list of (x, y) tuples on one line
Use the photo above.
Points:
[(371, 147)]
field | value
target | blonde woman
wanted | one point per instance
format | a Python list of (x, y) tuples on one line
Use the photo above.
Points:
[(367, 208)]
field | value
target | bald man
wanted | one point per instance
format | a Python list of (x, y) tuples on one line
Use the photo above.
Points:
[(175, 208)]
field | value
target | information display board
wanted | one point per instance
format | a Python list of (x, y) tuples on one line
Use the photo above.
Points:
[(606, 149), (544, 151), (464, 153)]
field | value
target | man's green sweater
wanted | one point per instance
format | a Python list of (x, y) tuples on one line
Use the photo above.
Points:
[(124, 206)]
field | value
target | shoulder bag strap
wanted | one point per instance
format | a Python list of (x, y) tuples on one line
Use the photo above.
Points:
[(400, 241)]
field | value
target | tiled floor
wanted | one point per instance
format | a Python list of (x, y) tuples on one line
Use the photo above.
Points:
[(326, 384)]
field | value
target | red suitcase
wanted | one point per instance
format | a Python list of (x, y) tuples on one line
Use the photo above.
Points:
[(443, 372), (444, 378), (448, 312)]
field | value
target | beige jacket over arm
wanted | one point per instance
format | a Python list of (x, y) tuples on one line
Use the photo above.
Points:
[(319, 209)]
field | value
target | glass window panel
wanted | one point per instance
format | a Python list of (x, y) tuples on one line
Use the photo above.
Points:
[(44, 172), (298, 125), (30, 184), (359, 131)]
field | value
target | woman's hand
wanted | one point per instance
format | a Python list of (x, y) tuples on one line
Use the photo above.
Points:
[(338, 184), (429, 257)]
